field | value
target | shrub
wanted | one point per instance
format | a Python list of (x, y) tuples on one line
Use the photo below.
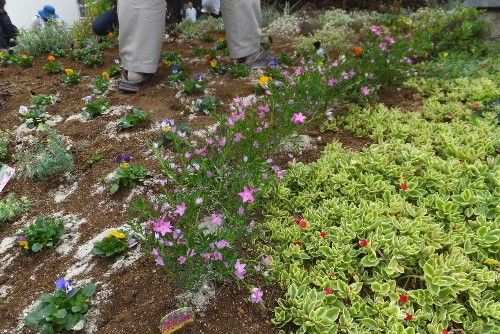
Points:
[(11, 207), (45, 160), (114, 244), (48, 39), (194, 30), (62, 309), (44, 233), (4, 143), (285, 26), (402, 237)]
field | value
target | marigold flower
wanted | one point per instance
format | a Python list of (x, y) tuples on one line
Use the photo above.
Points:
[(209, 58), (404, 298), (117, 234), (69, 71), (51, 58), (105, 75), (364, 243), (110, 34), (358, 50), (24, 244), (328, 291), (409, 317), (264, 80)]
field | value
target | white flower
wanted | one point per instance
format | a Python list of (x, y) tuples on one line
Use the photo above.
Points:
[(23, 110)]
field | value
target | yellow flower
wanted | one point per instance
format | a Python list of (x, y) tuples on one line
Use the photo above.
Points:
[(214, 63), (167, 128), (105, 75), (491, 262), (117, 234), (124, 165), (24, 244), (69, 71), (24, 56), (445, 55), (167, 62), (264, 80), (2, 54)]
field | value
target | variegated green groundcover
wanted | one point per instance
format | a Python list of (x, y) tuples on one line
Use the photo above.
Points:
[(403, 237)]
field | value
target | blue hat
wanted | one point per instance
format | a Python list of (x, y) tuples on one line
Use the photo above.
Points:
[(48, 12)]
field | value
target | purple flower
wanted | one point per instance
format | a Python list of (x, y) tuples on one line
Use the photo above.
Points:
[(238, 137), (299, 71), (182, 259), (221, 244), (389, 39), (332, 82), (241, 210), (256, 296), (65, 284), (377, 30), (263, 110), (180, 209), (206, 256), (162, 227), (267, 260), (247, 194), (222, 141), (176, 69), (299, 118), (383, 46), (217, 219), (198, 77), (239, 269), (365, 91), (274, 63), (217, 256), (123, 158)]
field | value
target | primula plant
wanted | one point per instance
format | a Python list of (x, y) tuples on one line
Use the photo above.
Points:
[(25, 60), (36, 113), (173, 135), (134, 118), (71, 77), (95, 106), (63, 309), (114, 244), (240, 70), (127, 175), (101, 83), (53, 66), (194, 85), (44, 233), (207, 105)]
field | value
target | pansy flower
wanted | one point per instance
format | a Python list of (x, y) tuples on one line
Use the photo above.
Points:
[(124, 160), (65, 284)]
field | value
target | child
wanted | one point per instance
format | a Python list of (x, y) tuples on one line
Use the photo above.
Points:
[(190, 12), (47, 13), (8, 31)]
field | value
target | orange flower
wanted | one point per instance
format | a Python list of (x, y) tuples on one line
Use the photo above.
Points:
[(358, 50), (209, 58), (110, 34), (51, 58)]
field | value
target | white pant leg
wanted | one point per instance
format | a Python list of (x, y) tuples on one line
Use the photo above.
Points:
[(142, 29), (242, 20)]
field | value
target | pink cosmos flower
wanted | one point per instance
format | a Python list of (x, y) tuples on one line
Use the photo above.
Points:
[(217, 219), (182, 259), (180, 209), (365, 91), (162, 227), (299, 71), (247, 194), (237, 137), (256, 296), (222, 141), (221, 244), (241, 210), (332, 82), (377, 30), (389, 39), (263, 110), (299, 118), (383, 46), (239, 269)]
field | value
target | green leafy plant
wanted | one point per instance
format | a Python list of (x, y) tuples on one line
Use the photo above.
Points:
[(101, 83), (71, 77), (25, 61), (114, 244), (174, 135), (207, 105), (115, 69), (240, 70), (134, 118), (36, 113), (285, 59), (53, 66), (11, 207), (193, 30), (207, 38), (127, 175), (47, 159), (63, 309), (44, 233), (95, 159), (193, 85), (95, 106)]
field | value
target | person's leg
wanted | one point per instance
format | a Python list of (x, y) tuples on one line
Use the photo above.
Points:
[(242, 19), (105, 23), (142, 28)]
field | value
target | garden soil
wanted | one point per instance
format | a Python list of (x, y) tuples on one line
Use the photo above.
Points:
[(133, 294)]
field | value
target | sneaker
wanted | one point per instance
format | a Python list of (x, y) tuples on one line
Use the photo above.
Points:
[(132, 81), (260, 59)]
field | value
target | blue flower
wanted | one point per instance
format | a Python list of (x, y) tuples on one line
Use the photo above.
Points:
[(198, 77), (176, 69), (65, 284), (274, 63), (123, 158)]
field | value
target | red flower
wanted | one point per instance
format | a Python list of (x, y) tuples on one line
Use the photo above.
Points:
[(323, 234), (404, 186), (328, 291), (303, 224), (409, 317), (364, 243), (404, 299), (445, 331), (298, 243)]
